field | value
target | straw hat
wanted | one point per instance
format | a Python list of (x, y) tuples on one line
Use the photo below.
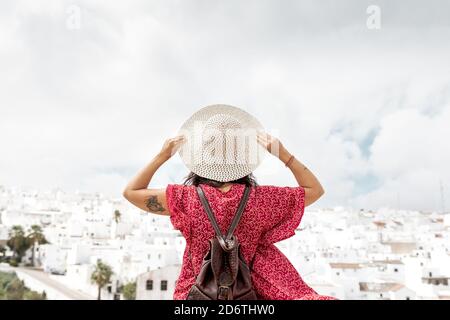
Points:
[(221, 143)]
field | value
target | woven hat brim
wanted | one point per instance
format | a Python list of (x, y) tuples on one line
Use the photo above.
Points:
[(222, 172)]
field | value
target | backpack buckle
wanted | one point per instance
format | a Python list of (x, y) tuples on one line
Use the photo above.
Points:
[(223, 293), (227, 244)]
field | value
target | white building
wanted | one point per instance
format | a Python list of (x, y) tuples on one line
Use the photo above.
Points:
[(343, 252), (53, 258), (157, 284)]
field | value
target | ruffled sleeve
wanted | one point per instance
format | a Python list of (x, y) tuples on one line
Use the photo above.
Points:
[(284, 210), (175, 196)]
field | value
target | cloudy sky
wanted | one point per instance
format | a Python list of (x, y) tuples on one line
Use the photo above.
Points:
[(89, 91)]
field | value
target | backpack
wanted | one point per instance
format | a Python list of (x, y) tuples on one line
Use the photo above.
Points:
[(224, 274)]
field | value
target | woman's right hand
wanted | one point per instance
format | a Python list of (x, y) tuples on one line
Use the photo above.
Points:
[(171, 146), (273, 145)]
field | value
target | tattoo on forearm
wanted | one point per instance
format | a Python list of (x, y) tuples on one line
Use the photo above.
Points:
[(305, 168), (153, 205)]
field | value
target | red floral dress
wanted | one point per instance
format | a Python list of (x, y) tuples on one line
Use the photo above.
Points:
[(272, 214)]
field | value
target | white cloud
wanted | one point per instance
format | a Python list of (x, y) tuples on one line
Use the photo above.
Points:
[(410, 155), (87, 108)]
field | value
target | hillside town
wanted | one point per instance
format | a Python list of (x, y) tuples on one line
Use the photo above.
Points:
[(349, 253)]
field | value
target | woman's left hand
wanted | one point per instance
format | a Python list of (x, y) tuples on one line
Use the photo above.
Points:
[(171, 146)]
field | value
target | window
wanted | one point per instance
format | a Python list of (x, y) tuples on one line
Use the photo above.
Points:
[(163, 285), (149, 285), (430, 274)]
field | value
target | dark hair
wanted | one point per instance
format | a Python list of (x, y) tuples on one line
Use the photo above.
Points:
[(194, 179)]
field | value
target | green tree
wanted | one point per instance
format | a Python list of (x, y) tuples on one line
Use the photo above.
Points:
[(17, 242), (12, 288), (15, 290), (35, 236), (5, 279), (33, 295), (129, 291), (101, 276)]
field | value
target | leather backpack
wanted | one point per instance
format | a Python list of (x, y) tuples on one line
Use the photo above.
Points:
[(224, 274)]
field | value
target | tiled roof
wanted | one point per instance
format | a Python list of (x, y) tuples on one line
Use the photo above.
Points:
[(380, 287), (345, 265)]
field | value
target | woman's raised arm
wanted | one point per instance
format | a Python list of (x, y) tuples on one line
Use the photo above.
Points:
[(153, 199), (305, 178)]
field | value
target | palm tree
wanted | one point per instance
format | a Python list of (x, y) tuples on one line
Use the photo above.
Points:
[(35, 235), (101, 276), (117, 216), (17, 242)]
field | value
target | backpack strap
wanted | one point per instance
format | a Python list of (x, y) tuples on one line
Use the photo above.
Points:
[(224, 242), (239, 212)]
